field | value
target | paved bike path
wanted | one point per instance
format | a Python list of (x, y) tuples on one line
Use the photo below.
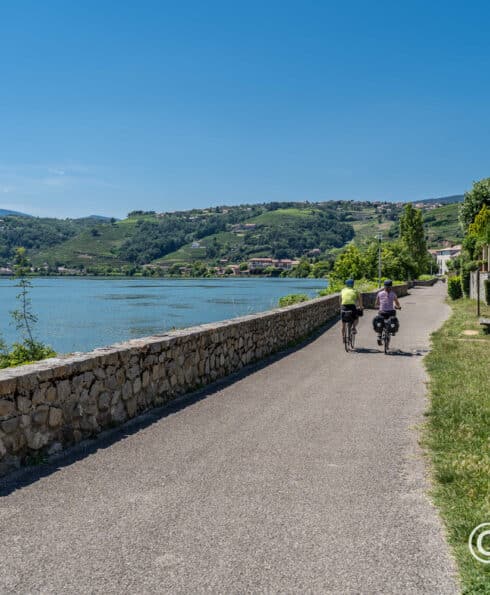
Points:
[(303, 476)]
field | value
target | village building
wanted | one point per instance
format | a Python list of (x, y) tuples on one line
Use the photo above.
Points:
[(258, 264), (442, 256)]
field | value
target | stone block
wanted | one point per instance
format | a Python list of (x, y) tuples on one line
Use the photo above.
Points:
[(36, 440), (127, 390), (104, 401), (63, 389), (89, 424), (55, 417), (7, 407), (133, 372), (99, 373), (118, 412), (131, 407), (7, 386), (10, 425), (96, 389), (24, 421), (40, 415), (51, 394)]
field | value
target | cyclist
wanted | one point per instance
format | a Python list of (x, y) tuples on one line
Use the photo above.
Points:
[(386, 302), (349, 300)]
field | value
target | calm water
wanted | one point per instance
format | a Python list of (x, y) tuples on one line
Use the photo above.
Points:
[(81, 314)]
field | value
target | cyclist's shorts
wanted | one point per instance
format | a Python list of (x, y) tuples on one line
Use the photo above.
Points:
[(387, 313), (350, 308)]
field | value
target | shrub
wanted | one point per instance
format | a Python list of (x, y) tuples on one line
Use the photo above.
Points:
[(25, 353), (486, 285), (362, 285), (293, 298), (465, 282), (425, 277), (454, 288)]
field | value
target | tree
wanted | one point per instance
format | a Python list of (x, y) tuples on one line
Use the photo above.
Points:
[(302, 270), (480, 228), (473, 202), (321, 269), (397, 262), (350, 264), (412, 235)]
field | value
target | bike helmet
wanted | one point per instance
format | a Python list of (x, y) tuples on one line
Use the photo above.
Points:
[(350, 282), (388, 283)]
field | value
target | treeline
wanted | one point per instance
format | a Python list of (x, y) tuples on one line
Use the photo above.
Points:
[(33, 233), (297, 235), (475, 222), (404, 258)]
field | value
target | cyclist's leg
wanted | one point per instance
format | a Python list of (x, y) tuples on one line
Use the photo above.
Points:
[(379, 335), (355, 322)]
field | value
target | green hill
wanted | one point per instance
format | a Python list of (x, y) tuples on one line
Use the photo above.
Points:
[(229, 233), (98, 245), (442, 225)]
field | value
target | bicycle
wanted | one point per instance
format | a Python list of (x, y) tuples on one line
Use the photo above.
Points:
[(348, 337), (386, 334)]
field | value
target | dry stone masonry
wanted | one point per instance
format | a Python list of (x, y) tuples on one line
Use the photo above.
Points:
[(49, 405)]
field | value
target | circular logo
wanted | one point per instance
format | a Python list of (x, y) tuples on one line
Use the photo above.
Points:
[(476, 545)]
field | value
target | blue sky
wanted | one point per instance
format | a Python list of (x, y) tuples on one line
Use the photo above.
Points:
[(111, 106)]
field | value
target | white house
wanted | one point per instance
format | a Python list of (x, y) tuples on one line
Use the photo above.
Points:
[(443, 255)]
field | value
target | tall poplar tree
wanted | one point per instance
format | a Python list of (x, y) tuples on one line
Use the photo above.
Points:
[(412, 234)]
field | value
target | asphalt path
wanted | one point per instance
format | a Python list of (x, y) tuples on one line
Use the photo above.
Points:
[(302, 476)]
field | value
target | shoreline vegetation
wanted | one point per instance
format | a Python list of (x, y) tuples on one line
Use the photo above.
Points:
[(29, 349), (457, 433)]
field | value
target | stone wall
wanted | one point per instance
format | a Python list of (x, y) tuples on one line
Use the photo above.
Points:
[(369, 298), (52, 404), (424, 282)]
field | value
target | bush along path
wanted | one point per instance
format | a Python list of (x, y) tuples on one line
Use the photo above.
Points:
[(458, 437)]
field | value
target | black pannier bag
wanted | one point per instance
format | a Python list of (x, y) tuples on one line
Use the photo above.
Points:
[(360, 312), (347, 316), (393, 324), (378, 323)]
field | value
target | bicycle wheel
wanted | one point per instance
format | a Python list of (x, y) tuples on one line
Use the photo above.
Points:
[(347, 335), (386, 341), (352, 339)]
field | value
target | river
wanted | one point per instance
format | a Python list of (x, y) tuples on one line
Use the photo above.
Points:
[(79, 314)]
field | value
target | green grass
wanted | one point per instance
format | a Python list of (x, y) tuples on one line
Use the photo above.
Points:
[(279, 215), (458, 435), (90, 250)]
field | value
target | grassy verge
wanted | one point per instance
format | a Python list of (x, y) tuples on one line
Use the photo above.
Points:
[(458, 435)]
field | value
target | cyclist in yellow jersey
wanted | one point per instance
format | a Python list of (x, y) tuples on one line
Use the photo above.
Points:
[(350, 299)]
